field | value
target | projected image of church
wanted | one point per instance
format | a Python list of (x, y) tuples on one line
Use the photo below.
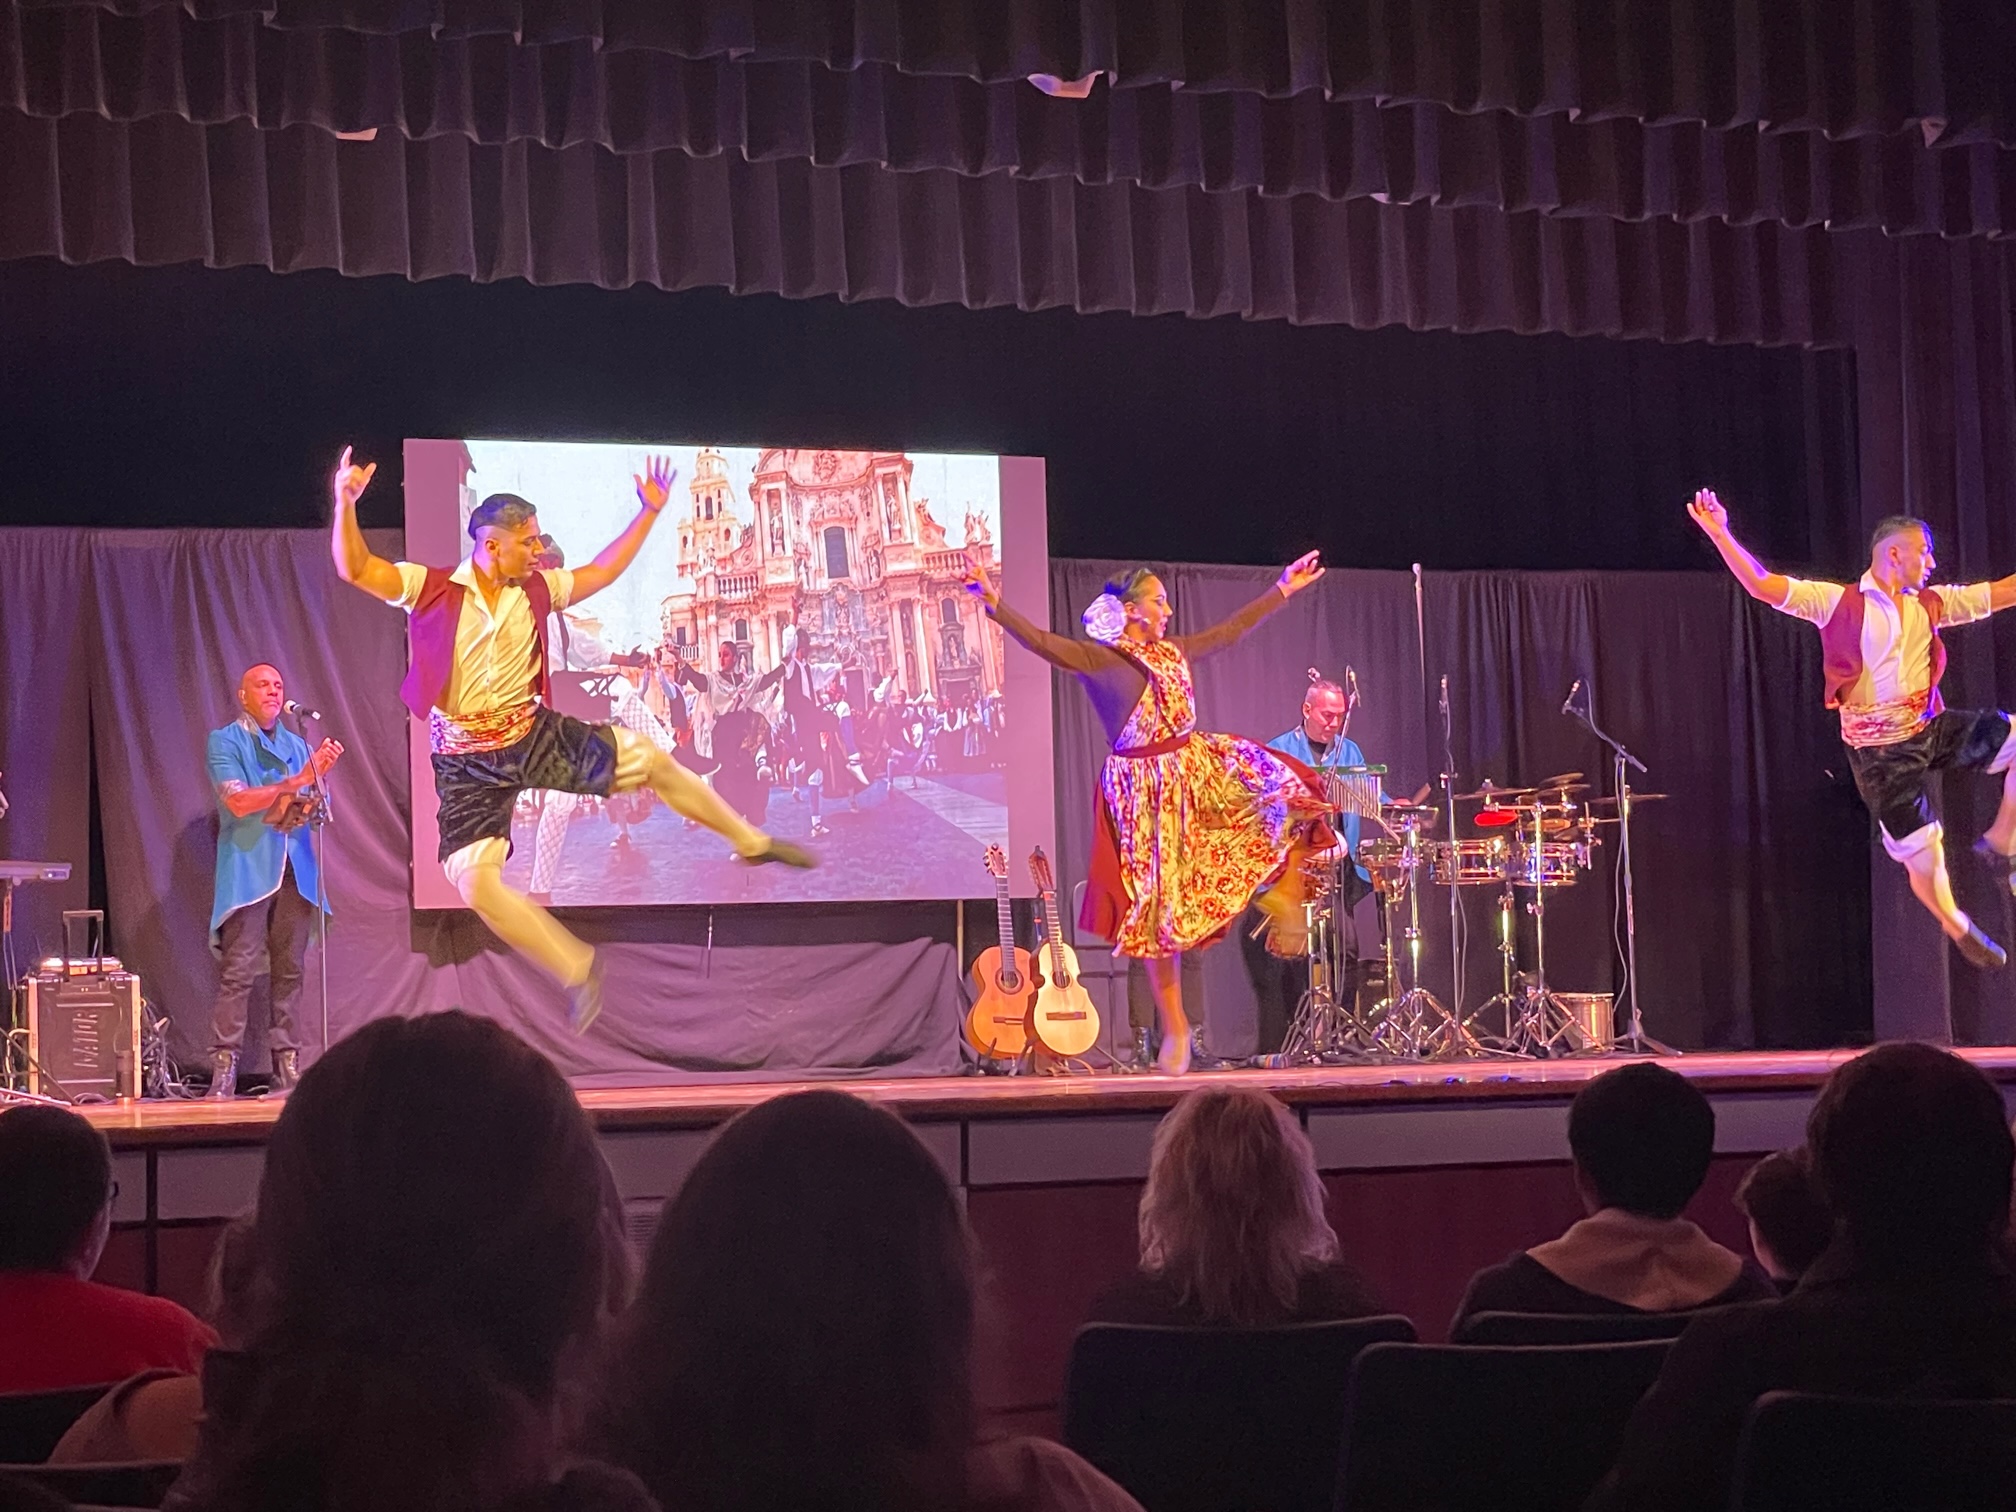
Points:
[(795, 630)]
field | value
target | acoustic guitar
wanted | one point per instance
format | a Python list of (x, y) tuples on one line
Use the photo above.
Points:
[(1062, 1018), (1004, 981)]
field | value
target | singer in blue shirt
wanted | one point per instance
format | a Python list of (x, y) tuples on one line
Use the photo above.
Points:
[(268, 888), (1318, 741)]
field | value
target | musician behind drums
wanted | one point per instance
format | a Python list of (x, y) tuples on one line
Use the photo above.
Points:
[(1318, 741)]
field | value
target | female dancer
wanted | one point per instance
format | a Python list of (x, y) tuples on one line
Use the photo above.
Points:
[(1191, 825)]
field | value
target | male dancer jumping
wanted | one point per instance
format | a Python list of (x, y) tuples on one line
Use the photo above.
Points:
[(478, 677), (1883, 661)]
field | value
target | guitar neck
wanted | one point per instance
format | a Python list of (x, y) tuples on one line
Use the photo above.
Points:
[(1056, 934), (1004, 919)]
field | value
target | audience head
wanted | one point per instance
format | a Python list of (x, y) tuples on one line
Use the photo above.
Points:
[(231, 1282), (1789, 1221), (1912, 1150), (1642, 1137), (1232, 1216), (802, 1336), (430, 1261), (55, 1192)]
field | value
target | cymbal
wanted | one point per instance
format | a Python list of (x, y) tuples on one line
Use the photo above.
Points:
[(1635, 798), (1563, 789), (1489, 791), (1562, 780)]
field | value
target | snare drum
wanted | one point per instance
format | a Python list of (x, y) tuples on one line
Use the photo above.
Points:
[(1468, 863), (1552, 863)]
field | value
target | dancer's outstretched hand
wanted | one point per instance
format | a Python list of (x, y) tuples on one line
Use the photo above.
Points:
[(351, 481), (978, 583), (1299, 574), (654, 485), (1706, 511)]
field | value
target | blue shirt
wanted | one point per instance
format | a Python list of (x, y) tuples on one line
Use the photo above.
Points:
[(1343, 752), (253, 856)]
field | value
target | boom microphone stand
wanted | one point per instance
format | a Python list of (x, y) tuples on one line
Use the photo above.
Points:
[(318, 821), (1635, 1041)]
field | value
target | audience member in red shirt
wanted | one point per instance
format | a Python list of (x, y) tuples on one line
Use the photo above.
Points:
[(58, 1328)]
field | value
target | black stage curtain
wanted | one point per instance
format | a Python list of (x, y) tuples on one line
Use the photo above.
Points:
[(492, 90), (1799, 65), (165, 190), (1222, 440)]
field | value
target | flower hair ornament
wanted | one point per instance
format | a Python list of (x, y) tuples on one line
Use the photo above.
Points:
[(1105, 618)]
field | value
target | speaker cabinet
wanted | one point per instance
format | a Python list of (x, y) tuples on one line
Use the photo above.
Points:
[(84, 1034)]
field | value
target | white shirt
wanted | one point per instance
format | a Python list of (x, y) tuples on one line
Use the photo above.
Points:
[(1896, 633), (496, 653)]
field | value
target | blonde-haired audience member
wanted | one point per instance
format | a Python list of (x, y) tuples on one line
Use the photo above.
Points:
[(1232, 1224)]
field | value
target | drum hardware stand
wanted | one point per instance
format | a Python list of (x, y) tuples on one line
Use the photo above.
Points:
[(1435, 1032), (1544, 1026), (1508, 995), (1415, 1024), (1323, 1031), (1448, 775), (1634, 1041)]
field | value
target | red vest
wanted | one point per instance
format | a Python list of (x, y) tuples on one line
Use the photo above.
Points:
[(430, 633), (1841, 642)]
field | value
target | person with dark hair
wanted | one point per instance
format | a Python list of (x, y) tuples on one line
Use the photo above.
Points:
[(1232, 1224), (268, 886), (1191, 825), (1790, 1226), (1883, 660), (1641, 1137), (479, 677), (1912, 1152), (802, 1340), (59, 1328), (433, 1270)]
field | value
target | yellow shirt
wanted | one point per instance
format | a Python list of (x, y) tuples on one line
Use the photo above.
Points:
[(496, 654)]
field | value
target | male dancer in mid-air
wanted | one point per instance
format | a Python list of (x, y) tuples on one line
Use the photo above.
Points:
[(1883, 662), (478, 676)]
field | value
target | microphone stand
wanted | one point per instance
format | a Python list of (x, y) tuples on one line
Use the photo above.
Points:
[(1635, 1041), (316, 823)]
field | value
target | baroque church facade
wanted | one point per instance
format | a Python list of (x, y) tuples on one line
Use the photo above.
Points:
[(834, 543)]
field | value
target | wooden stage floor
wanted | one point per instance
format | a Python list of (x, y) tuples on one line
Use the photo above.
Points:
[(135, 1125)]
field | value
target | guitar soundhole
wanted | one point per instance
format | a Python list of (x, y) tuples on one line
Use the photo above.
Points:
[(1008, 981)]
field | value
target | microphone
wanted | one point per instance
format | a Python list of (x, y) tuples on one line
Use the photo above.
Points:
[(302, 709), (1568, 703), (1351, 686), (1445, 692)]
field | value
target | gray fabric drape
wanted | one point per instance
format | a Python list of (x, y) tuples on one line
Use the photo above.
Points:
[(1749, 877), (45, 759), (158, 625)]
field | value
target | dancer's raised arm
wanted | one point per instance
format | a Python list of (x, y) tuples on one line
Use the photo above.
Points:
[(1758, 581), (654, 490), (1058, 650), (1296, 576), (355, 563)]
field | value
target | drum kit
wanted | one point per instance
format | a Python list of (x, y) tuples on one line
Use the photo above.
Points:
[(1531, 840)]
